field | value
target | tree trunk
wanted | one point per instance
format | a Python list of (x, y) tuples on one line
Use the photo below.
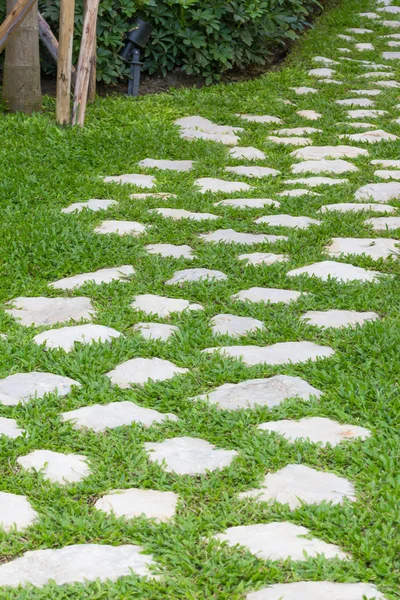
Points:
[(21, 78)]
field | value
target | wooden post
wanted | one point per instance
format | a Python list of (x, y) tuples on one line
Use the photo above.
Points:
[(92, 80), (64, 65), (14, 19), (51, 42)]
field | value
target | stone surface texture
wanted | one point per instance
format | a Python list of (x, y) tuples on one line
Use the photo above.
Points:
[(22, 387), (384, 223), (317, 590), (171, 251), (167, 165), (277, 354), (374, 247), (337, 318), (49, 311), (262, 258), (332, 152), (142, 181), (213, 185), (192, 275), (329, 269), (380, 192), (267, 295), (156, 331), (120, 228), (66, 337), (179, 213), (229, 236), (16, 513), (162, 306), (134, 502), (94, 205), (234, 325), (97, 277), (139, 371), (55, 466), (288, 221), (9, 427)]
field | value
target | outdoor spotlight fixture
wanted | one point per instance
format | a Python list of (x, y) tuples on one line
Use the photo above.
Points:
[(136, 40)]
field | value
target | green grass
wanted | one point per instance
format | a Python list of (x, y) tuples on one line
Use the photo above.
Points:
[(43, 169)]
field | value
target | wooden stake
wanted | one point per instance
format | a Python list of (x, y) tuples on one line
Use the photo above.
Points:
[(14, 20), (51, 42), (64, 65), (93, 60)]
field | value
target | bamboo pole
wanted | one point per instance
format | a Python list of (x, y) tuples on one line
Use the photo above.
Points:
[(14, 20), (92, 80), (64, 63), (51, 42)]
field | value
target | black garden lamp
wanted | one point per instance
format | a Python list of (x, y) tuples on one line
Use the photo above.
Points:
[(136, 40)]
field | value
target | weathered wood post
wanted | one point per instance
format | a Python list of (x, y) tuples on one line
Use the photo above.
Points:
[(64, 63)]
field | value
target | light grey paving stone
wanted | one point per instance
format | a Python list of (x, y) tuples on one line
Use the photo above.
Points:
[(323, 72), (303, 90), (170, 250), (335, 81), (143, 181), (23, 387), (366, 92), (336, 167), (371, 137), (324, 60), (100, 417), (387, 174), (375, 75), (353, 207), (297, 193), (297, 130), (269, 392), (120, 228), (386, 163), (257, 172), (362, 113), (317, 590), (65, 337), (380, 192), (389, 9), (391, 23), (391, 36), (162, 306), (374, 247), (287, 102), (393, 44), (388, 84), (94, 205), (298, 484), (329, 269), (134, 502), (337, 318), (369, 15), (229, 236), (156, 331), (79, 563), (359, 30), (288, 221), (55, 466), (267, 295), (262, 258), (317, 430), (384, 223), (211, 184), (279, 541), (333, 152), (260, 118), (348, 38), (277, 354), (355, 102), (205, 125), (312, 115), (358, 125), (200, 274), (49, 311), (9, 427), (363, 47), (158, 195), (316, 181), (345, 50), (234, 325), (247, 152), (98, 277), (290, 141), (180, 213), (391, 55), (189, 456), (167, 165), (248, 203), (139, 371), (15, 513)]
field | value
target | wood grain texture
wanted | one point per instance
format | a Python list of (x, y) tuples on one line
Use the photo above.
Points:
[(64, 63)]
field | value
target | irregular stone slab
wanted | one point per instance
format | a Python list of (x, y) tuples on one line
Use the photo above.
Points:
[(348, 207), (287, 102), (79, 563), (135, 502), (297, 130), (324, 60), (235, 326), (9, 427), (158, 195), (279, 541), (337, 318), (170, 250), (348, 38), (312, 115), (355, 102), (189, 456), (324, 166), (15, 513), (389, 9), (267, 295), (260, 118), (49, 311), (167, 165), (100, 417), (262, 258), (260, 392), (363, 47), (371, 137), (345, 50), (156, 331), (143, 181), (363, 113), (247, 152), (257, 172), (179, 213), (317, 430), (317, 590), (211, 184), (248, 203), (366, 92), (374, 247), (277, 354), (301, 91), (391, 55), (384, 223), (139, 371), (383, 174), (324, 72), (298, 484), (296, 193), (386, 163), (394, 24), (22, 387), (205, 125), (288, 221), (189, 275), (162, 306), (335, 81), (393, 44), (359, 30), (388, 84), (65, 337), (290, 141), (216, 133), (380, 192), (94, 205), (120, 228), (55, 466), (228, 236), (97, 277), (316, 181), (369, 15), (358, 125), (329, 269), (322, 152)]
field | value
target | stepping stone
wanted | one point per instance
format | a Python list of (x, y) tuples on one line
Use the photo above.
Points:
[(312, 115), (391, 55), (78, 563), (277, 354), (389, 9), (196, 127), (362, 113), (387, 174), (249, 153), (100, 417), (375, 74), (269, 392), (290, 141), (279, 541), (358, 125), (369, 15), (135, 502), (316, 181), (188, 456), (288, 221), (348, 207), (345, 50), (374, 247), (388, 84), (366, 92), (248, 203), (167, 165), (394, 24), (143, 181), (324, 60), (386, 163), (384, 223), (324, 166), (228, 236), (359, 30), (139, 371), (296, 193), (363, 47), (337, 318), (267, 295), (371, 137), (55, 466), (49, 311), (235, 326), (287, 102), (317, 430), (296, 485), (329, 269), (190, 275), (262, 258), (297, 130), (156, 331), (65, 337), (15, 513), (120, 228), (301, 91), (94, 205), (211, 184), (260, 118), (253, 171), (158, 195), (179, 213), (98, 277), (23, 387), (393, 44), (9, 427), (335, 81), (171, 251), (317, 590), (380, 192), (355, 102), (152, 304), (333, 152), (348, 38), (324, 72)]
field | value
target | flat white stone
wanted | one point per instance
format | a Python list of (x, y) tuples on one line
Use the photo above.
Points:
[(297, 193), (384, 223), (22, 387), (94, 205), (228, 236), (393, 44), (135, 502), (391, 55), (247, 152), (374, 247), (79, 563), (348, 38), (167, 165), (9, 427), (65, 337), (189, 456), (267, 295), (345, 50), (386, 163), (156, 331), (355, 102), (257, 172), (287, 102), (211, 184), (324, 72), (363, 47), (349, 207), (100, 417), (376, 74), (317, 590), (180, 213), (277, 354), (391, 23), (158, 195), (297, 130), (333, 152), (329, 269), (366, 92), (324, 60), (162, 306), (316, 181), (318, 430), (97, 277), (389, 9), (205, 125), (290, 141), (369, 15), (301, 91), (189, 275), (269, 392), (49, 311), (143, 181), (298, 484), (371, 137), (120, 227), (383, 174), (15, 513), (235, 326), (335, 81), (337, 318), (337, 167), (359, 125), (279, 541), (312, 115), (380, 192), (262, 258), (248, 203), (228, 139), (139, 371), (288, 221), (260, 118), (359, 30), (55, 466), (363, 113), (388, 84), (170, 250), (391, 36)]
